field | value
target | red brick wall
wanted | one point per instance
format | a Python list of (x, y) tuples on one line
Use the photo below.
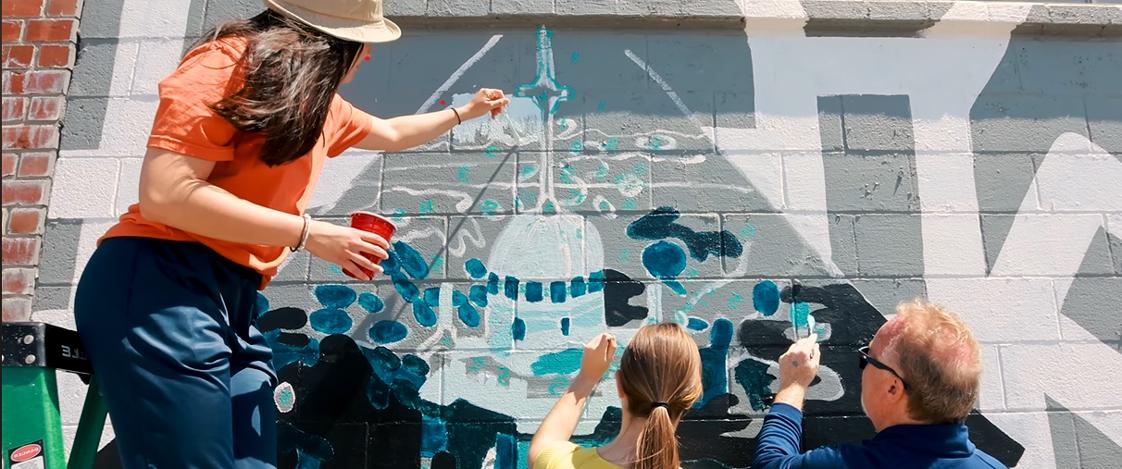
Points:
[(39, 39)]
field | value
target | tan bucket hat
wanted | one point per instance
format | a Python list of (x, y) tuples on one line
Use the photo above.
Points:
[(353, 20)]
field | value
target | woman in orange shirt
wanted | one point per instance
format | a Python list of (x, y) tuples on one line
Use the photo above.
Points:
[(166, 306)]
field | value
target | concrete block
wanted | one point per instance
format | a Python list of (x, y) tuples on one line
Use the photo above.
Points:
[(509, 382), (527, 247), (1114, 238), (128, 184), (1053, 233), (710, 183), (1033, 371), (871, 183), (84, 188), (701, 61), (107, 126), (1031, 430), (295, 269), (830, 123), (1092, 430), (773, 248), (1104, 117), (218, 12), (586, 7), (843, 243), (878, 123), (1090, 310), (350, 182), (469, 8), (734, 111), (953, 245), (652, 122), (1098, 175), (104, 21), (405, 8), (521, 7), (57, 260), (157, 59), (295, 296), (708, 302), (426, 184), (885, 294), (53, 298), (609, 183), (992, 396), (823, 9), (985, 305), (1003, 181), (889, 245), (155, 19), (103, 67), (1023, 122), (624, 253)]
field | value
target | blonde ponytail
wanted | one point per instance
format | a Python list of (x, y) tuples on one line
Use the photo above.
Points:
[(660, 373), (657, 447)]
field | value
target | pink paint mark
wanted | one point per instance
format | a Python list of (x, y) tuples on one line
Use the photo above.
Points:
[(367, 58), (443, 102)]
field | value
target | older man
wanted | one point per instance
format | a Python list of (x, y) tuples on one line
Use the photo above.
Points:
[(920, 378)]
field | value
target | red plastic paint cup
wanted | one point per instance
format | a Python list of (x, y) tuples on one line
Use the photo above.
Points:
[(372, 223)]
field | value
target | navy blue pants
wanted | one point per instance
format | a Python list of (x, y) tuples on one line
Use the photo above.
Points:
[(169, 329)]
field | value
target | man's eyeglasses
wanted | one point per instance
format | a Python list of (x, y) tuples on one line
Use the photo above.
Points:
[(865, 359)]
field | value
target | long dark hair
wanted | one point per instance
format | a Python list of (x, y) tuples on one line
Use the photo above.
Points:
[(292, 72), (660, 373)]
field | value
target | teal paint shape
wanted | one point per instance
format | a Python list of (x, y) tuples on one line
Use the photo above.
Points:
[(475, 268), (595, 281), (800, 315), (574, 57), (666, 261), (576, 147), (734, 301), (335, 296), (697, 324), (491, 151), (612, 144), (426, 206), (528, 169), (765, 297), (577, 287), (388, 332), (756, 381), (424, 314), (565, 174), (463, 174), (434, 436), (564, 362), (478, 295), (534, 292), (432, 296), (518, 329), (370, 302), (411, 260), (557, 291), (330, 321), (629, 204), (489, 206)]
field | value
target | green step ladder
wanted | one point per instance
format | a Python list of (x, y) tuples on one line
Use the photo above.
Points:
[(32, 426)]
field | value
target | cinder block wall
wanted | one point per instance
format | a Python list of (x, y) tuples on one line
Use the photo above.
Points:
[(753, 170)]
